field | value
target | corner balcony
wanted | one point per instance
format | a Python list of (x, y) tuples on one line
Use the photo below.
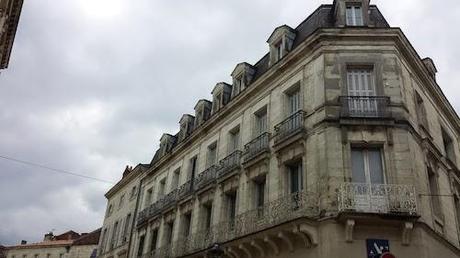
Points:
[(397, 200), (293, 125), (229, 164), (365, 106), (256, 147), (275, 213)]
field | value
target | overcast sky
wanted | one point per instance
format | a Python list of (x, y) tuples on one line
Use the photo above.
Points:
[(92, 85)]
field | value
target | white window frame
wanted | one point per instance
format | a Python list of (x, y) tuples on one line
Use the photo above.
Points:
[(354, 15), (367, 170)]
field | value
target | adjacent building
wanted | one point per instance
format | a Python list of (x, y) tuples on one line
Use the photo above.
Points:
[(339, 142), (67, 245), (10, 11)]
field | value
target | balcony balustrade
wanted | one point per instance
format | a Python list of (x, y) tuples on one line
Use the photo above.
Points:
[(378, 198), (229, 164), (285, 209), (205, 178), (365, 106), (257, 146), (290, 126)]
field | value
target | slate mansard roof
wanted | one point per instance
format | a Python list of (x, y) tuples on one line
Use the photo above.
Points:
[(323, 17)]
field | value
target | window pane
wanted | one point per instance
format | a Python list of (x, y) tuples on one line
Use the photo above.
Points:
[(357, 166), (375, 166)]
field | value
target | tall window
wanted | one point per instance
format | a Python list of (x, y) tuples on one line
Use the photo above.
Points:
[(212, 155), (293, 101), (360, 82), (175, 179), (103, 241), (207, 216), (448, 145), (162, 188), (127, 228), (121, 202), (186, 224), (113, 242), (367, 166), (133, 192), (193, 166), (153, 239), (231, 206), (140, 249), (421, 111), (354, 15), (260, 193), (295, 177), (434, 193), (169, 232), (234, 140), (279, 50), (148, 197), (457, 210), (261, 121), (238, 85)]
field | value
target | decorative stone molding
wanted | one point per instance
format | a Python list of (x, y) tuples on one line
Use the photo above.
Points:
[(349, 226), (408, 227)]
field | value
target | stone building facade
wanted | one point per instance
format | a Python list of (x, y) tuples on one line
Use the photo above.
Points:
[(66, 245), (119, 218), (10, 11), (337, 143)]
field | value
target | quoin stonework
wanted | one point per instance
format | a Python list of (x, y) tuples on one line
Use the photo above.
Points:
[(337, 143)]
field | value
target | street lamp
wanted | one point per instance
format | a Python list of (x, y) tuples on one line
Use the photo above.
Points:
[(216, 251)]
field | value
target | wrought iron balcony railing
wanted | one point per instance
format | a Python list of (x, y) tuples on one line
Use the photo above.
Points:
[(378, 198), (365, 106), (229, 164), (285, 209), (257, 146), (292, 125), (205, 178), (184, 190)]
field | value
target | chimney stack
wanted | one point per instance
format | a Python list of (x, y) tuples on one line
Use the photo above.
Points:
[(48, 237)]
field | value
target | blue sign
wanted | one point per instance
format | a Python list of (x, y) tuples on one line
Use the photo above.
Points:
[(376, 247)]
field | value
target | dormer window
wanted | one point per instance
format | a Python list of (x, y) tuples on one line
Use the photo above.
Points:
[(281, 42), (354, 15), (243, 75), (202, 111), (222, 93), (186, 126)]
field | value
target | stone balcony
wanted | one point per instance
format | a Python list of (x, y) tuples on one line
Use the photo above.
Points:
[(286, 209), (365, 106), (377, 199), (261, 144), (293, 125)]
